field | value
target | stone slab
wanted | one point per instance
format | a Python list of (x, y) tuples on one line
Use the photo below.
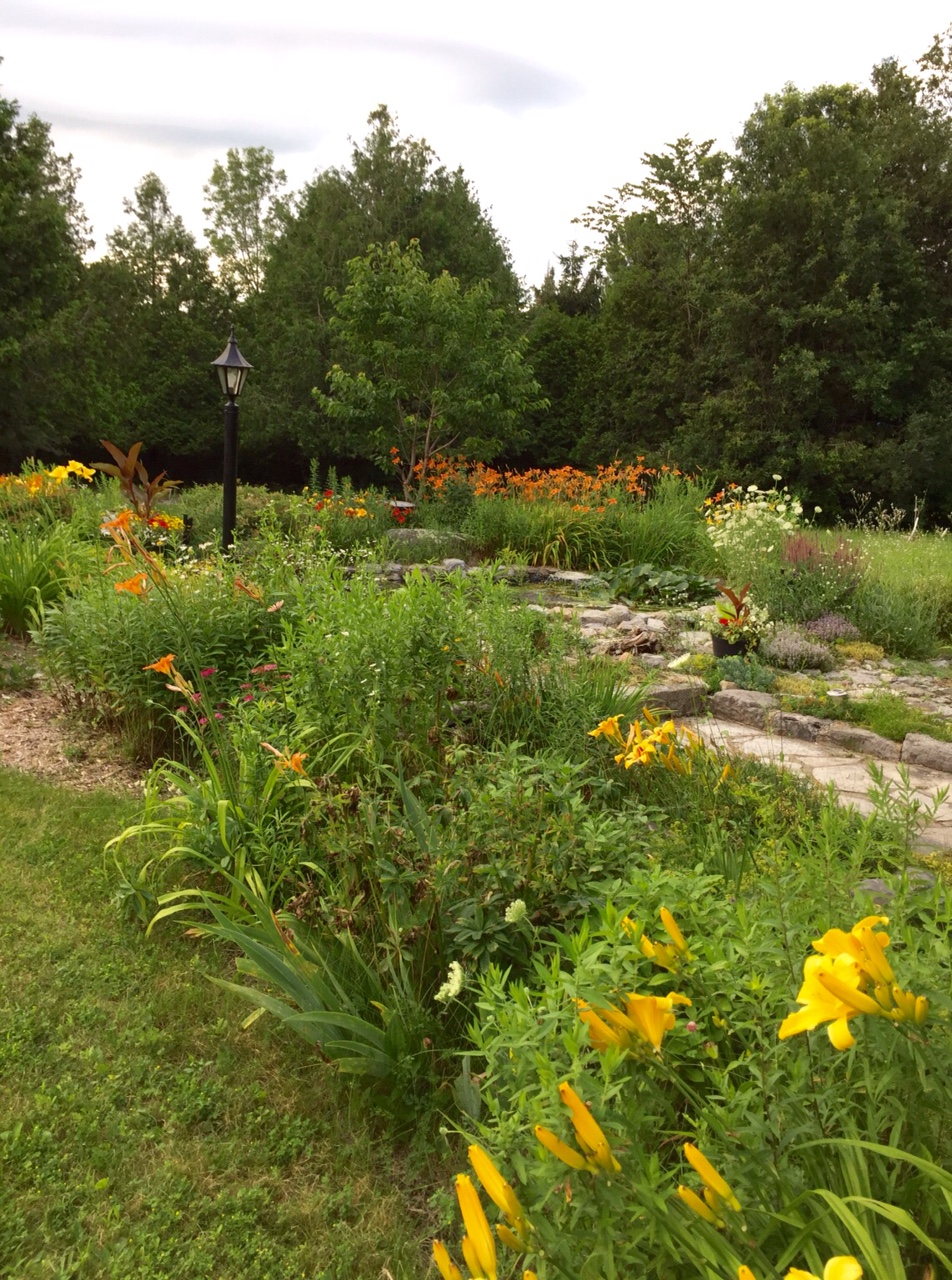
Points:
[(927, 752), (788, 724), (852, 737), (684, 697), (746, 706)]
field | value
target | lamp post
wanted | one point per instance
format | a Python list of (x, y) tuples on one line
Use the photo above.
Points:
[(232, 370)]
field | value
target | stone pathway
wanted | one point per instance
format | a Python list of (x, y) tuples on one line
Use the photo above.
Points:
[(848, 772)]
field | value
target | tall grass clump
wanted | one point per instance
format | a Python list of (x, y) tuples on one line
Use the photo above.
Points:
[(661, 528), (38, 567)]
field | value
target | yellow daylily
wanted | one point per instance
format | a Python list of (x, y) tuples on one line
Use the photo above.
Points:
[(644, 1021), (700, 1207), (839, 1268), (674, 933), (444, 1263), (502, 1195), (479, 1249), (850, 976), (596, 1153), (719, 1188)]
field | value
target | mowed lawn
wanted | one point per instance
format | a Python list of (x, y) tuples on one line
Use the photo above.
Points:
[(142, 1131)]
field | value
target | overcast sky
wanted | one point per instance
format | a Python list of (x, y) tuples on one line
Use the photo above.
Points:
[(547, 110)]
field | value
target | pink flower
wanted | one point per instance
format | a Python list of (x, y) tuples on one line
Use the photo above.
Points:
[(209, 671), (249, 697)]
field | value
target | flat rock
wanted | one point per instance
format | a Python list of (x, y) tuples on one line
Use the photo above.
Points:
[(789, 724), (746, 706), (569, 575), (851, 737), (593, 617), (927, 752), (681, 695), (695, 641), (616, 615)]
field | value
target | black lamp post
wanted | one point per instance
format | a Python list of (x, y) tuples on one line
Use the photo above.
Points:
[(232, 370)]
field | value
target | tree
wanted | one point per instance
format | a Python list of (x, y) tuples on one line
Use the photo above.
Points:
[(429, 365), (245, 208), (160, 320), (394, 189), (44, 235)]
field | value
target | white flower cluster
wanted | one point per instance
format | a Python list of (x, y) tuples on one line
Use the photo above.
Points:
[(453, 984), (515, 911), (752, 519)]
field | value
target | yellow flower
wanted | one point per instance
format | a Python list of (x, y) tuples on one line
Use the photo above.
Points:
[(78, 469), (840, 1268), (597, 1153), (850, 976), (561, 1150), (644, 1021), (59, 474), (478, 1247), (745, 1273), (694, 1202), (444, 1263), (515, 1235), (675, 934), (717, 1191), (608, 729)]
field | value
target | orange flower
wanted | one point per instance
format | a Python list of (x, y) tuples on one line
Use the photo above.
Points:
[(121, 521), (162, 665), (294, 761), (136, 585)]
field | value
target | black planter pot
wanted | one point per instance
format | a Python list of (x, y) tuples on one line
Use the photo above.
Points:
[(724, 648)]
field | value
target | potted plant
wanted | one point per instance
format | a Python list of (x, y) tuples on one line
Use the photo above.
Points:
[(739, 622)]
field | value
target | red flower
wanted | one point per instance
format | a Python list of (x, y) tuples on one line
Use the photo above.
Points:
[(328, 493)]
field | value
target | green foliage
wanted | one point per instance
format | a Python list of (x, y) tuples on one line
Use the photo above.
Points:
[(662, 530), (429, 366), (634, 583), (245, 209), (746, 673), (759, 1108), (44, 233), (95, 644), (885, 713), (37, 569)]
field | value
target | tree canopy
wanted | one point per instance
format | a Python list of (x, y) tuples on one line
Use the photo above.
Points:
[(429, 365)]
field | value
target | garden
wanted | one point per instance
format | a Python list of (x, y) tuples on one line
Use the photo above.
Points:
[(430, 944)]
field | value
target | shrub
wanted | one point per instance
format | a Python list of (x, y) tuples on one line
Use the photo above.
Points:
[(96, 644), (830, 627), (793, 650), (860, 651), (747, 673)]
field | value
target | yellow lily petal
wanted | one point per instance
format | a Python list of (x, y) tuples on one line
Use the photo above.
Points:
[(495, 1185), (444, 1263), (840, 1035), (709, 1176), (842, 1268), (745, 1273), (694, 1201), (673, 932), (796, 1274), (590, 1137), (510, 1239), (561, 1150), (477, 1227)]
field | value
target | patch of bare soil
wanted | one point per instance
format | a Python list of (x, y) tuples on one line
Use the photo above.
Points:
[(39, 738)]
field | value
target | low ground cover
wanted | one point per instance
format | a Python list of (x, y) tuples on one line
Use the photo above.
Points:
[(422, 831), (141, 1130)]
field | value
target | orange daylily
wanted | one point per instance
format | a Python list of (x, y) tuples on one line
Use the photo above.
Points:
[(137, 585), (162, 665)]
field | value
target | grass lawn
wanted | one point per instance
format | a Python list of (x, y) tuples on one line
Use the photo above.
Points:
[(142, 1132)]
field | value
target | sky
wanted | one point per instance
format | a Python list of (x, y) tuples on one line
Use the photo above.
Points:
[(547, 110)]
